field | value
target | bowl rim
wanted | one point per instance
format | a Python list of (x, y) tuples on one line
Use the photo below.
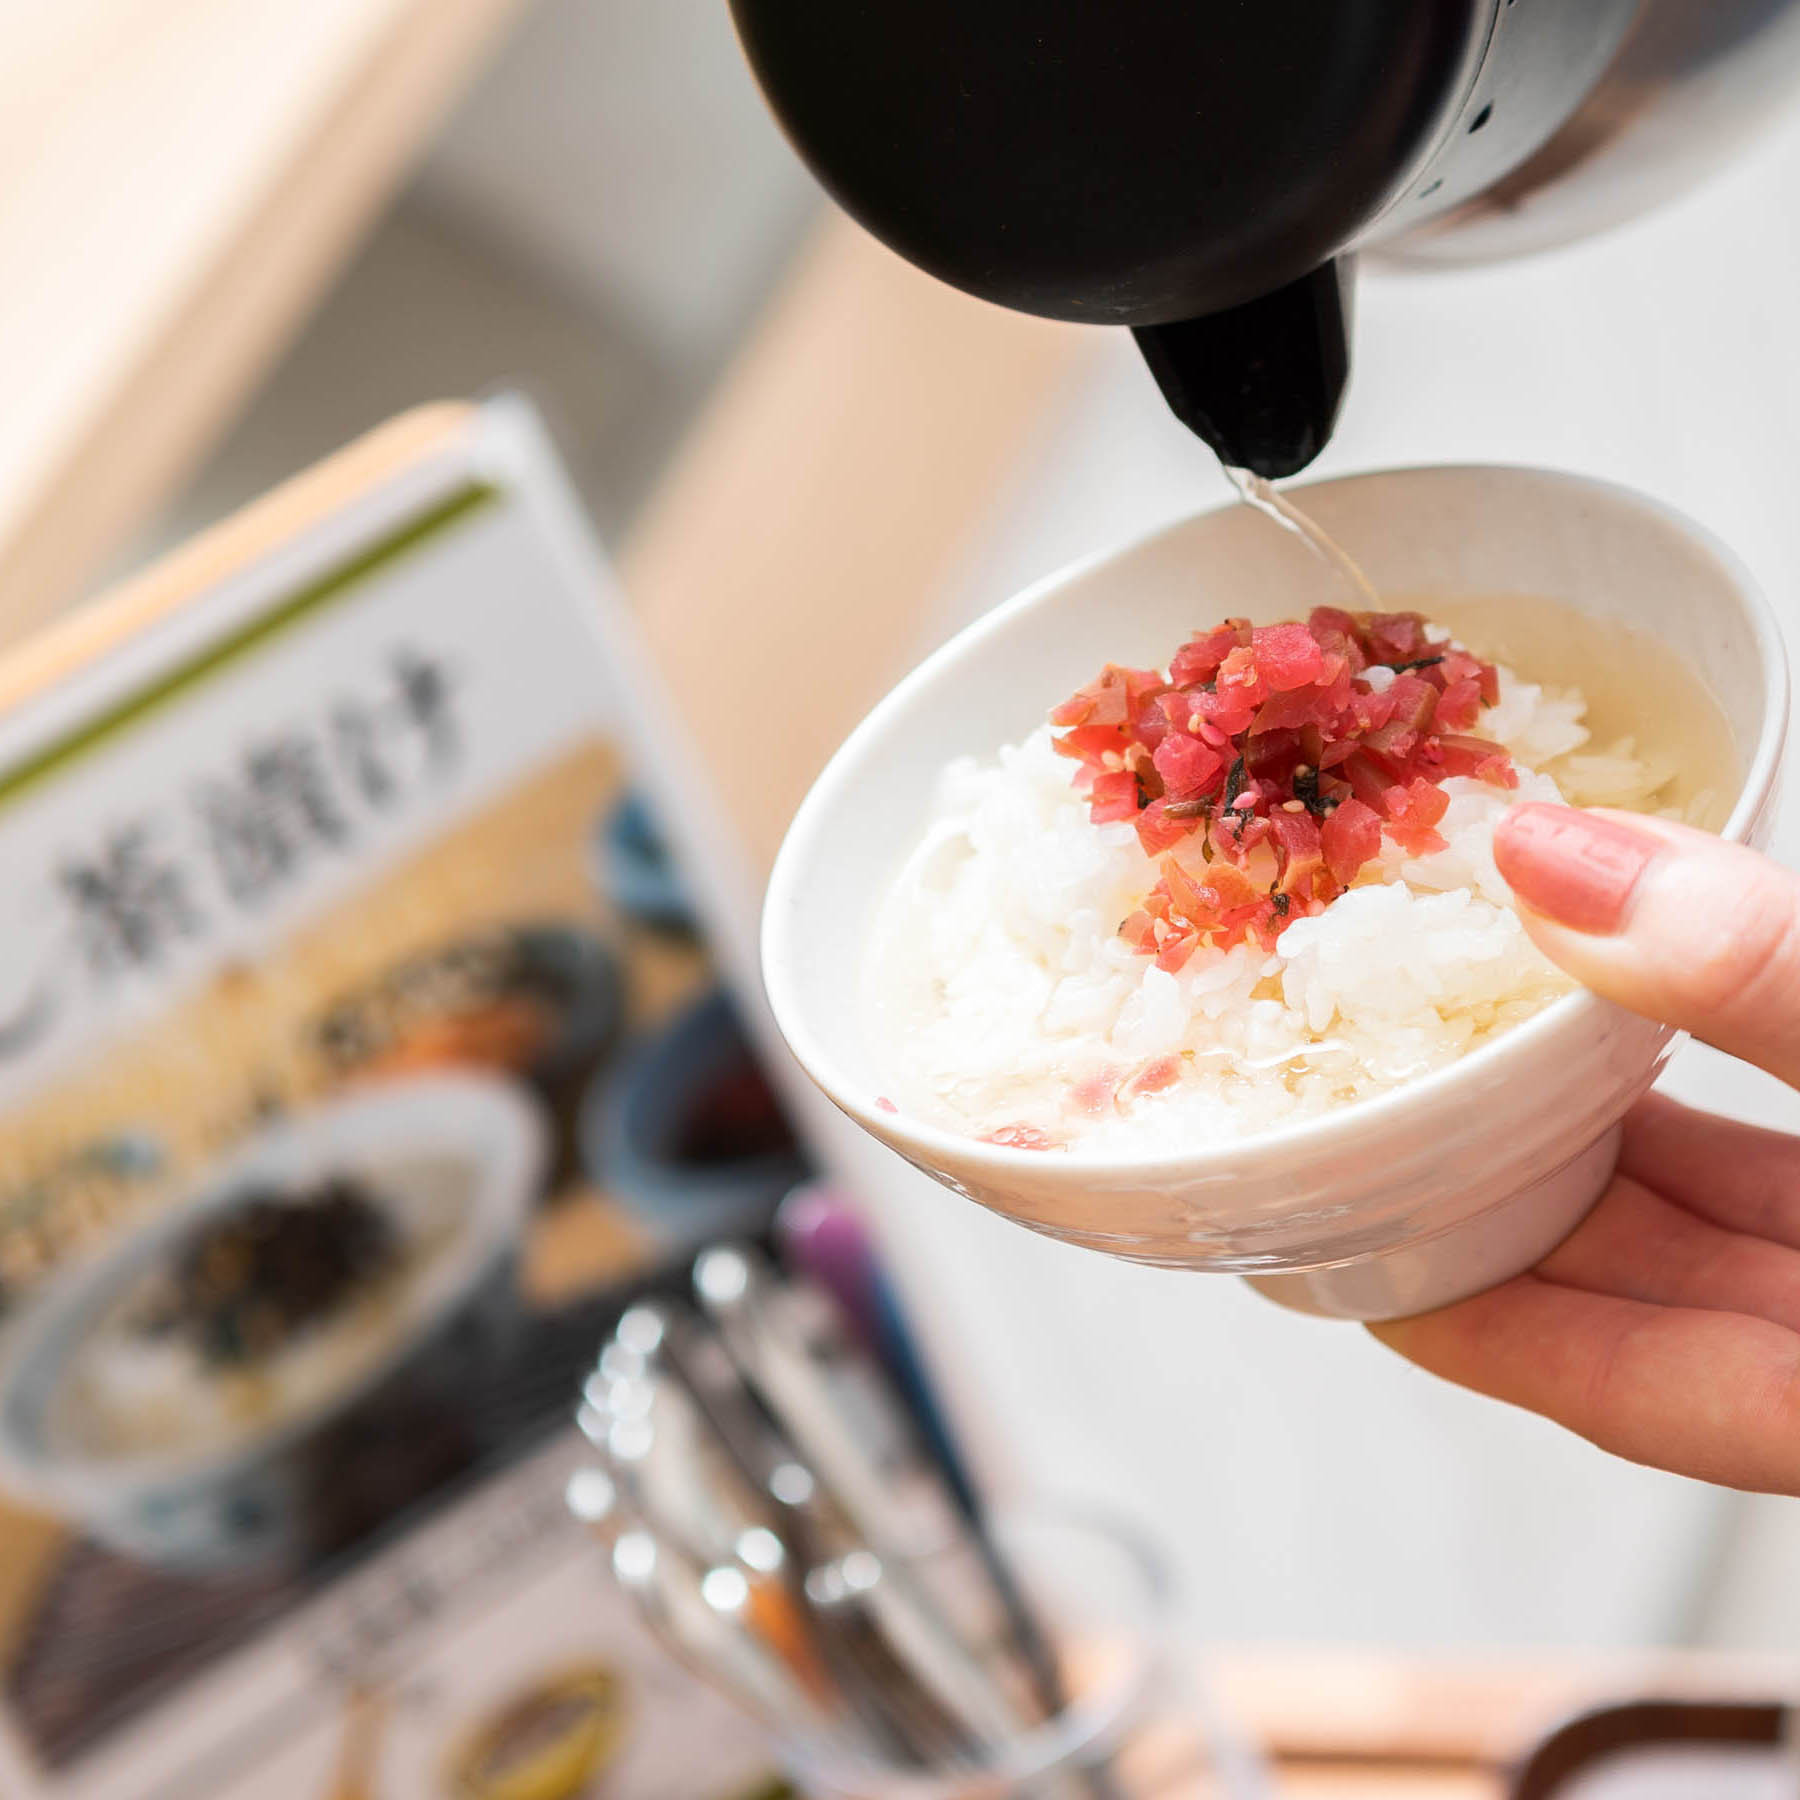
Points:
[(1074, 1165)]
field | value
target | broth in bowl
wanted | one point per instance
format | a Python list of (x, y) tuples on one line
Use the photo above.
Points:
[(1256, 883)]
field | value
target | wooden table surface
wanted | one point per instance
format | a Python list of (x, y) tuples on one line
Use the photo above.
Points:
[(179, 179), (1345, 1724)]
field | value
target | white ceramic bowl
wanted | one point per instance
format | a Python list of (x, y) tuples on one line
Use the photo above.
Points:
[(1397, 1204)]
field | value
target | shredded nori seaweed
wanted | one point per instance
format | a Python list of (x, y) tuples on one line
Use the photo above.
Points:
[(1306, 791), (1234, 783), (276, 1263)]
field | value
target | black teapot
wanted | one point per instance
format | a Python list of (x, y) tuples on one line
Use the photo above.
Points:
[(1205, 171)]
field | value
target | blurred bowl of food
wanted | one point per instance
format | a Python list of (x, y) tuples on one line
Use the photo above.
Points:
[(688, 1135), (545, 1001), (542, 1000), (195, 1394)]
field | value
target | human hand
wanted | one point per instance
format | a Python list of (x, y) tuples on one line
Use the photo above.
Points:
[(1667, 1329)]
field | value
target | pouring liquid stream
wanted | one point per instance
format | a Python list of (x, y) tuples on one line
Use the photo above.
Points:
[(1258, 491), (1618, 666)]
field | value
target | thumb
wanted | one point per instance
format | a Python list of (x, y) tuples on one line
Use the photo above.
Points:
[(1669, 922)]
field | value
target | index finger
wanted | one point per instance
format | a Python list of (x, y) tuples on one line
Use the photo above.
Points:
[(1668, 921), (1742, 1177), (1709, 1394)]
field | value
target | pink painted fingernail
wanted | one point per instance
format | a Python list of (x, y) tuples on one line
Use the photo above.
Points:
[(1574, 867)]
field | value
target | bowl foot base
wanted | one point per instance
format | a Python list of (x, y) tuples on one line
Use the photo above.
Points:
[(1502, 1242)]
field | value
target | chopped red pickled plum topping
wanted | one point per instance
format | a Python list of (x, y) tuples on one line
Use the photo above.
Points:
[(1285, 759), (1155, 1076), (1097, 1093)]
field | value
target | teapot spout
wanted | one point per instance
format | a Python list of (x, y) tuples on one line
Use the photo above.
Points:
[(1262, 382)]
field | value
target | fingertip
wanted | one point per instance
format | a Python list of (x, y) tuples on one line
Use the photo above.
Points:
[(1667, 921), (1517, 825), (1580, 870)]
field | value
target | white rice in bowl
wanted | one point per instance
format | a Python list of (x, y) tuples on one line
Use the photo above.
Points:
[(1003, 997)]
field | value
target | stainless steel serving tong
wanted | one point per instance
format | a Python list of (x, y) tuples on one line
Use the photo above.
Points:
[(769, 1502)]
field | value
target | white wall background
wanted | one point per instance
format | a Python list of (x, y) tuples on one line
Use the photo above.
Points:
[(620, 148)]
